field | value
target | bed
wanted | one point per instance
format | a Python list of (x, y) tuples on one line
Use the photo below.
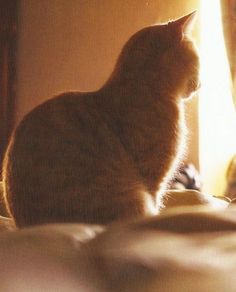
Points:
[(185, 248)]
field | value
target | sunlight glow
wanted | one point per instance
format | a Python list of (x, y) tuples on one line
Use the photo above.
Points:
[(217, 116)]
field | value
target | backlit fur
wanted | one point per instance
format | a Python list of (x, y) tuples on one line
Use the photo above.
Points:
[(101, 156)]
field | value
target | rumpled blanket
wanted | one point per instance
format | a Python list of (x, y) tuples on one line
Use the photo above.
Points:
[(182, 249)]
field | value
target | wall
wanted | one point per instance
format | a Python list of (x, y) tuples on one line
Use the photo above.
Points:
[(72, 45)]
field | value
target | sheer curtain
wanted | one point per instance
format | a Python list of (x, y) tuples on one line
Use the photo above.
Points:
[(229, 26), (217, 115), (228, 8)]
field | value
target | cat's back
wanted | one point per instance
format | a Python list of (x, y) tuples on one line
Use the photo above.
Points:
[(60, 119), (56, 112), (61, 154), (66, 123)]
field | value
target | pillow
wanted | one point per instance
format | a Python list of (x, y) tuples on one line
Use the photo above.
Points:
[(178, 198)]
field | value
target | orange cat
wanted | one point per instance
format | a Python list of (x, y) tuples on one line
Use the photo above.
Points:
[(100, 156)]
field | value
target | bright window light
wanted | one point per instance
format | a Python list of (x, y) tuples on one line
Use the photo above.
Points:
[(217, 115)]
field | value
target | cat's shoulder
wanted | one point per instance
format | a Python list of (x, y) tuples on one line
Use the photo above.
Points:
[(64, 107), (65, 98), (61, 102)]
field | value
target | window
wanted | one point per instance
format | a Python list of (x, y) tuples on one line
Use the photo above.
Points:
[(217, 115)]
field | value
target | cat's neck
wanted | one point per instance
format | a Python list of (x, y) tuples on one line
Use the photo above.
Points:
[(138, 86)]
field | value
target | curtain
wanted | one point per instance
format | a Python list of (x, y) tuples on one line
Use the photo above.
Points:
[(8, 32), (229, 27)]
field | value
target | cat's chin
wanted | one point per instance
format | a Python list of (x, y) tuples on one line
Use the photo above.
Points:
[(189, 95), (190, 92), (192, 88)]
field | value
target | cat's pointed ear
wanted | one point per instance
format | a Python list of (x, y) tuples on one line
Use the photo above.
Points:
[(184, 24)]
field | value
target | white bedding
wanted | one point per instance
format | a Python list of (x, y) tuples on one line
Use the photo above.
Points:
[(183, 249)]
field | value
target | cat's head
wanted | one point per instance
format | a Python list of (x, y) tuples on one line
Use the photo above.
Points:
[(164, 54)]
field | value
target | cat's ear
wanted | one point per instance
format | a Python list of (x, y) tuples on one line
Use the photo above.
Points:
[(184, 24)]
